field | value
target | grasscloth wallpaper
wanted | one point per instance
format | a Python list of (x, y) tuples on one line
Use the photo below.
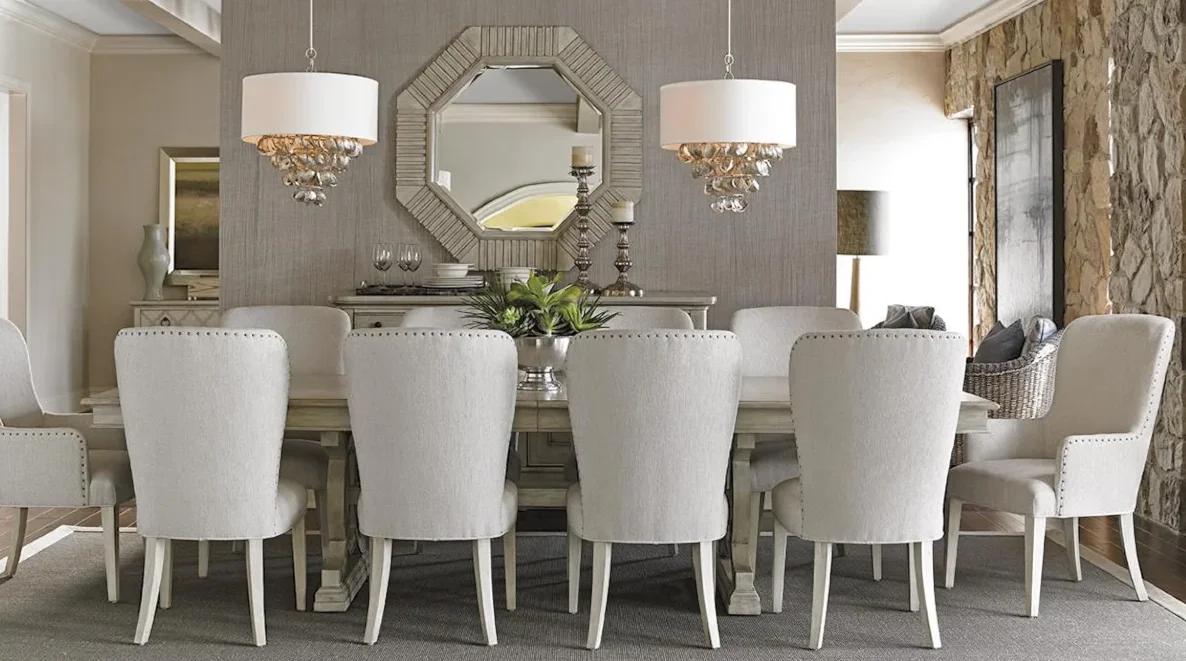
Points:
[(781, 252)]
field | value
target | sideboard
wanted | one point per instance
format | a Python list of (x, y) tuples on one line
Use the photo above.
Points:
[(175, 313)]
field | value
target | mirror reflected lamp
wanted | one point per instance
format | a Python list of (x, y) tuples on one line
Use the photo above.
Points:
[(862, 230)]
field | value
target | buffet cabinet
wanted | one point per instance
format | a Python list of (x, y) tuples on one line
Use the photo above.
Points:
[(175, 313)]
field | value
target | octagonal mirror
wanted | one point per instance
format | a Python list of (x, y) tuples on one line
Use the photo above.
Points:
[(484, 141)]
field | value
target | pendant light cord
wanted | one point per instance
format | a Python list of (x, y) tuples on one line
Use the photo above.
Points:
[(312, 52), (729, 47)]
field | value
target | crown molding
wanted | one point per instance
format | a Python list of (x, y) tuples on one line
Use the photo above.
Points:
[(145, 45), (889, 43), (40, 20), (985, 20)]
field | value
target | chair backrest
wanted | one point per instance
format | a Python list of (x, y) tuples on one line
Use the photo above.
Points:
[(449, 317), (431, 413), (648, 318), (1109, 377), (875, 418), (314, 333), (203, 412), (767, 334), (18, 400), (652, 423)]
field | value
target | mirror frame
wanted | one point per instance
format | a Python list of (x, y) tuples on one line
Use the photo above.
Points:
[(418, 110), (170, 157)]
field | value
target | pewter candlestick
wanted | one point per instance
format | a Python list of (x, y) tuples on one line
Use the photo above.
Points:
[(583, 261), (623, 220)]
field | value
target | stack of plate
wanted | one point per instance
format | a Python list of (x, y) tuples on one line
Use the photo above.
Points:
[(464, 282)]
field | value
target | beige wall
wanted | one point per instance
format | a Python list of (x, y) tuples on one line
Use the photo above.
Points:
[(892, 135), (58, 77), (139, 104)]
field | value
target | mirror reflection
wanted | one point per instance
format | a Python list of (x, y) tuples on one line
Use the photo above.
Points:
[(504, 147)]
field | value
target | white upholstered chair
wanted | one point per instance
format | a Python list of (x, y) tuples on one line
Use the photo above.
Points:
[(875, 419), (1086, 457), (431, 411), (204, 413), (439, 316), (652, 460), (647, 318), (55, 460)]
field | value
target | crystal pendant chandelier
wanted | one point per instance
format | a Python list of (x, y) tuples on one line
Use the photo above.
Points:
[(310, 124), (731, 131)]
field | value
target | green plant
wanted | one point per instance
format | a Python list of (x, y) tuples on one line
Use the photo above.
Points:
[(538, 307)]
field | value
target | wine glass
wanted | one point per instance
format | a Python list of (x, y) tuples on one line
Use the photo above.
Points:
[(403, 255), (414, 259), (382, 260)]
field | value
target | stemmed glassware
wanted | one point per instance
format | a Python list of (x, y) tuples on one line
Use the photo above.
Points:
[(413, 261), (382, 260), (408, 258)]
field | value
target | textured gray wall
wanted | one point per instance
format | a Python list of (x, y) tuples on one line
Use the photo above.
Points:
[(781, 252)]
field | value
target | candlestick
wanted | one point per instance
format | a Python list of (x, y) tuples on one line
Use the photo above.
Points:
[(582, 157), (583, 261), (623, 214)]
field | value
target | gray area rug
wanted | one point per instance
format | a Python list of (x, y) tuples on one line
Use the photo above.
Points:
[(56, 609)]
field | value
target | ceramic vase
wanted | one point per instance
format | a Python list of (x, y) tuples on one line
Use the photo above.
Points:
[(154, 262)]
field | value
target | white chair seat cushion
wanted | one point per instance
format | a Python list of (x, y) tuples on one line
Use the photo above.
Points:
[(110, 479), (1020, 486), (576, 518), (772, 463), (304, 462), (291, 500), (479, 527), (788, 506)]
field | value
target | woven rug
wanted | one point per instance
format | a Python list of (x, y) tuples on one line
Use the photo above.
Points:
[(56, 608)]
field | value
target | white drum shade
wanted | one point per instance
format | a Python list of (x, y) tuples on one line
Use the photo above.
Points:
[(727, 110), (311, 103)]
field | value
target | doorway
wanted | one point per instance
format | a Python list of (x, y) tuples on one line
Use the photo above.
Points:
[(14, 200)]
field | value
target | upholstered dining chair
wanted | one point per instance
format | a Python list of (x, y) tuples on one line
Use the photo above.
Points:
[(314, 336), (875, 419), (204, 413), (632, 317), (653, 460), (1086, 457), (55, 460), (431, 411), (437, 316)]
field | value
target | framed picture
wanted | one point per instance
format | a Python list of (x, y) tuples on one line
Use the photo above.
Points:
[(1029, 195), (190, 209)]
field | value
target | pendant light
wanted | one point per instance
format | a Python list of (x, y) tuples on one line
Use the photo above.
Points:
[(310, 124), (731, 131)]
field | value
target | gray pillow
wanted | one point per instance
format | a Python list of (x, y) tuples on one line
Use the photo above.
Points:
[(1002, 344), (901, 316), (1040, 330)]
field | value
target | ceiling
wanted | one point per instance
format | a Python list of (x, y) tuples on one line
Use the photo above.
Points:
[(103, 17), (903, 16)]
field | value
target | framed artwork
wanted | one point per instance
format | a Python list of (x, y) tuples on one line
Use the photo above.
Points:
[(1030, 268), (190, 209)]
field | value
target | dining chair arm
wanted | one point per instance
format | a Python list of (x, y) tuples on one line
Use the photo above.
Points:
[(96, 438), (1099, 474), (43, 467)]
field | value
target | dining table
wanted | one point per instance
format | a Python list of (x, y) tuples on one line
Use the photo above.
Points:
[(317, 404)]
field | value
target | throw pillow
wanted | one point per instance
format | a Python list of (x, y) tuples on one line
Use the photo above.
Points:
[(1002, 345), (1040, 330), (902, 316)]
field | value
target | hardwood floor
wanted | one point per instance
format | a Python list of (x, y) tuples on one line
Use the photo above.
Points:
[(1162, 553)]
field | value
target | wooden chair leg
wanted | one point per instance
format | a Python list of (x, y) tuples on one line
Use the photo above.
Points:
[(1035, 544), (166, 599), (509, 568), (380, 574), (1070, 528), (203, 558), (484, 577), (18, 541), (1130, 556), (602, 559), (110, 519), (819, 594), (675, 550), (877, 562), (255, 590), (300, 562), (703, 557), (924, 569), (779, 572), (154, 565), (574, 572), (913, 578), (955, 512), (841, 550)]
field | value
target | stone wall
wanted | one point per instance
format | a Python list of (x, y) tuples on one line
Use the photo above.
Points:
[(1076, 32), (1148, 118)]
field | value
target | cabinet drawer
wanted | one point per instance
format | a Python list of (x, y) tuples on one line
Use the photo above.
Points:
[(385, 320), (177, 317)]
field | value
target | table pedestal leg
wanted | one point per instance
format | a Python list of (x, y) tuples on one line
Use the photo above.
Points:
[(736, 576), (342, 574)]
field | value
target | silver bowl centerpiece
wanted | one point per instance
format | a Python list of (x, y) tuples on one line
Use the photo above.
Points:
[(542, 316)]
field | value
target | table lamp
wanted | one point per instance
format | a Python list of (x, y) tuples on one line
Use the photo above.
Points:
[(862, 231)]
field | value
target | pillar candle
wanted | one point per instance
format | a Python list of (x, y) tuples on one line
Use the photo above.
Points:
[(582, 156), (623, 213)]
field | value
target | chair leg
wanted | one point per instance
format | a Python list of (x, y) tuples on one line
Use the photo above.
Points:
[(877, 562), (755, 525), (154, 565), (300, 562), (819, 594), (841, 550), (255, 590), (1070, 529), (166, 600), (380, 575), (319, 499), (1130, 556), (913, 578), (509, 569), (574, 572), (602, 554), (675, 550), (203, 558), (924, 569), (955, 511), (110, 518), (1035, 543), (779, 572), (484, 577), (18, 541), (237, 546), (702, 562)]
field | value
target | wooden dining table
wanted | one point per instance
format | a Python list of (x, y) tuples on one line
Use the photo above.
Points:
[(317, 403)]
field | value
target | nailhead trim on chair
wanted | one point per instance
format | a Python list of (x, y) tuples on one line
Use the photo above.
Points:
[(83, 482), (651, 335), (481, 334)]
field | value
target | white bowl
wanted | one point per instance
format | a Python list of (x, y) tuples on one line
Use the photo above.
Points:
[(450, 270)]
